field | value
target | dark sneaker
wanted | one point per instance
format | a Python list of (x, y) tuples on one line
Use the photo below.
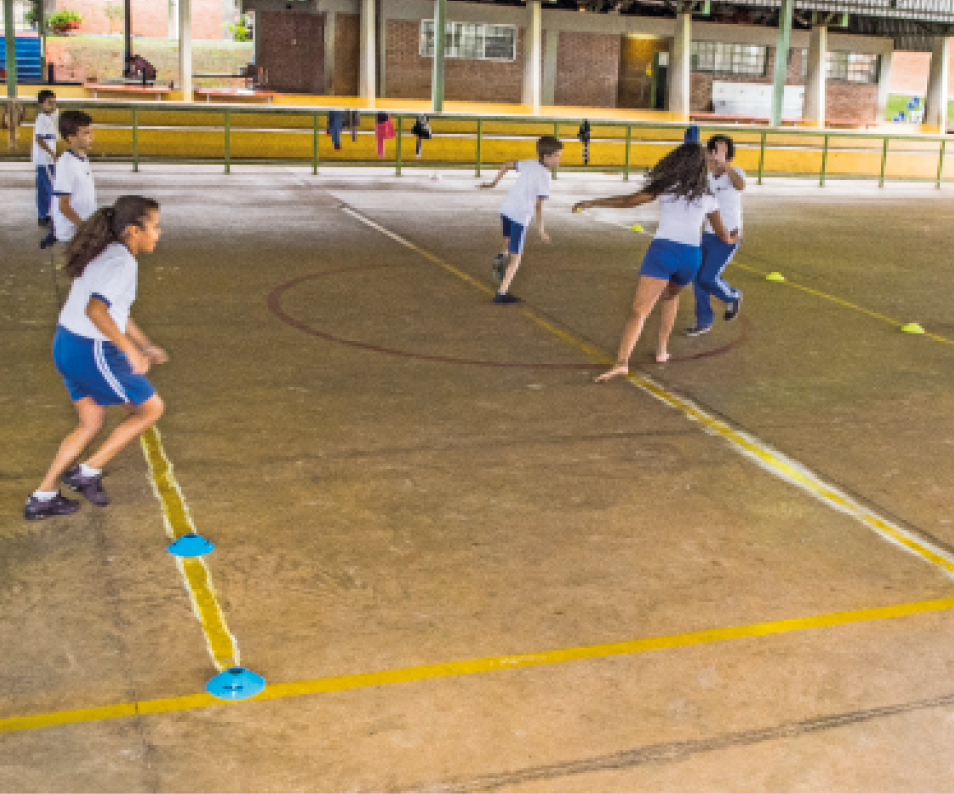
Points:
[(49, 240), (90, 487), (37, 509), (505, 297), (500, 268), (43, 222), (733, 309), (698, 330)]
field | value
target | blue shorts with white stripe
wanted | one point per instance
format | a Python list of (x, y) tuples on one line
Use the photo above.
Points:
[(92, 368)]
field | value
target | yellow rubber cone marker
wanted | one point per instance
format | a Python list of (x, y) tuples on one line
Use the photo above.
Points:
[(775, 277), (912, 328)]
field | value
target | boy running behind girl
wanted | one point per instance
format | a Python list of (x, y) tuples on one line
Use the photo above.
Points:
[(526, 196), (74, 195), (44, 153)]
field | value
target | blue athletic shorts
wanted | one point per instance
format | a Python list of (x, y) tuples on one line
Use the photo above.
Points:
[(675, 262), (516, 233), (91, 368)]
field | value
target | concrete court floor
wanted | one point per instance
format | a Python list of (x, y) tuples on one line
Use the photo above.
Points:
[(375, 509)]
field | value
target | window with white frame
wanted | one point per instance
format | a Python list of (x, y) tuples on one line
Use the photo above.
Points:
[(471, 40), (853, 67), (714, 56)]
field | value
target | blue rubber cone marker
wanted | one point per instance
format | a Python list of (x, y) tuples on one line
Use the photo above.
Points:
[(236, 683), (191, 545), (692, 134)]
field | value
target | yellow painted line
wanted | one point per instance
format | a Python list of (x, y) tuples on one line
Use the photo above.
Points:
[(773, 461), (473, 666), (846, 304), (178, 522)]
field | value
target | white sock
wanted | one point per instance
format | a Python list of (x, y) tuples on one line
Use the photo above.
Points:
[(45, 496), (89, 471)]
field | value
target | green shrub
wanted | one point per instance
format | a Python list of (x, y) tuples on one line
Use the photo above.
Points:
[(239, 31), (63, 21)]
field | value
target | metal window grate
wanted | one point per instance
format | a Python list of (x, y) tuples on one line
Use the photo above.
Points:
[(921, 10), (713, 56), (471, 40)]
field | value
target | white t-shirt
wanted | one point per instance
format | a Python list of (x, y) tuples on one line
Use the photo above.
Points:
[(45, 128), (681, 220), (730, 200), (111, 277), (74, 179), (532, 183)]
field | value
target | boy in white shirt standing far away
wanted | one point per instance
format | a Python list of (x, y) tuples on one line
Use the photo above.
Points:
[(726, 183), (44, 153), (526, 196), (74, 195)]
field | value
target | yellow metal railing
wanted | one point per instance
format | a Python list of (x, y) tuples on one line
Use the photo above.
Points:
[(235, 134)]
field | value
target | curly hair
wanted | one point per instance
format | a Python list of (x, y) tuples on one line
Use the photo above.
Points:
[(106, 225), (681, 173)]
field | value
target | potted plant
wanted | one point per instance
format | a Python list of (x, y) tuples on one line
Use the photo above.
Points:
[(62, 22)]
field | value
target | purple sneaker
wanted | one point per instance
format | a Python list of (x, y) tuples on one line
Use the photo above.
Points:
[(90, 487), (37, 509)]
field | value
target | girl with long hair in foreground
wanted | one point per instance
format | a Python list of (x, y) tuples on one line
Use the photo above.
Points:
[(102, 355), (679, 183)]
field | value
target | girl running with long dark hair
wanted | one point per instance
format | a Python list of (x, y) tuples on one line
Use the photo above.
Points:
[(100, 352), (678, 182)]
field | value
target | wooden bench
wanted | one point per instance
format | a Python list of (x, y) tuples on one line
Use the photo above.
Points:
[(122, 88), (236, 93)]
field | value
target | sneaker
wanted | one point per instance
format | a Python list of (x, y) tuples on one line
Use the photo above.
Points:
[(500, 268), (733, 308), (49, 240), (505, 297), (90, 487), (698, 330), (37, 509), (43, 221)]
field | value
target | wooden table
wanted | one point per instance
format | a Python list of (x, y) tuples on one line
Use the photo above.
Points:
[(155, 90)]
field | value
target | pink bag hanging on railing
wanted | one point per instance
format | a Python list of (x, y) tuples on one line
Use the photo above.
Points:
[(383, 130)]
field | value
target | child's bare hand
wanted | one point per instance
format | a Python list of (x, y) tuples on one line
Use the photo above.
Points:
[(138, 362), (155, 354), (579, 206), (619, 369)]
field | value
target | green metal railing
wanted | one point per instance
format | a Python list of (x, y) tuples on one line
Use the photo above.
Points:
[(617, 133)]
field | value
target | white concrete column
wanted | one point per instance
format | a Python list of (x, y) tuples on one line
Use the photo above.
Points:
[(329, 67), (550, 50), (533, 56), (185, 49), (368, 49), (884, 77), (814, 110), (382, 43), (680, 67), (935, 104)]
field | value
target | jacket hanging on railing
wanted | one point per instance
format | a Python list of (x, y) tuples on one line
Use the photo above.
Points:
[(335, 126), (353, 122), (584, 135), (422, 131), (383, 130)]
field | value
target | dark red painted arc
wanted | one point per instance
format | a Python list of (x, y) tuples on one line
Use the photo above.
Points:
[(275, 306)]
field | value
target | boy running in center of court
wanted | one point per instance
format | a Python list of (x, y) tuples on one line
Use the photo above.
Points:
[(726, 183), (526, 196)]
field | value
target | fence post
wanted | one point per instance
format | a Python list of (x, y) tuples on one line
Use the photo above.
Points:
[(940, 164), (314, 149), (762, 156), (397, 146), (884, 161), (629, 143), (135, 138), (480, 126), (821, 182), (228, 158)]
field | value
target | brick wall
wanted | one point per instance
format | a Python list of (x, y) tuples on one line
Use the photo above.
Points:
[(291, 47), (845, 100), (150, 18), (635, 70), (409, 74), (587, 70), (347, 55)]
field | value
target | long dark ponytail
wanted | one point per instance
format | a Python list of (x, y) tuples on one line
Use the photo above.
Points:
[(682, 172), (103, 227)]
